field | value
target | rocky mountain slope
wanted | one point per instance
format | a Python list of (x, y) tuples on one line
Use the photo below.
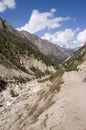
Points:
[(55, 52), (19, 57), (75, 59)]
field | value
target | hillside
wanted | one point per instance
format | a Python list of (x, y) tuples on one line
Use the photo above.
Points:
[(75, 59), (20, 56), (55, 52)]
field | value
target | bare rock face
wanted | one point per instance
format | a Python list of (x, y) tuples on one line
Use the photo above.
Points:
[(11, 73), (29, 62)]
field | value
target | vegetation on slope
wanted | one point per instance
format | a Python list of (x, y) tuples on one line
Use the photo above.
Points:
[(12, 48), (57, 59), (77, 58)]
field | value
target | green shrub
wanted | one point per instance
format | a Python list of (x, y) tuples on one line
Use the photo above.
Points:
[(3, 84), (13, 47)]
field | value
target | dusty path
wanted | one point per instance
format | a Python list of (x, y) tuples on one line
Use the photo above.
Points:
[(74, 102), (69, 110)]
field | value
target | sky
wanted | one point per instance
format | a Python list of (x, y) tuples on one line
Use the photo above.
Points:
[(62, 22)]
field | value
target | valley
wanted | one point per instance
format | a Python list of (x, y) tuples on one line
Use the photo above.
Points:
[(36, 93)]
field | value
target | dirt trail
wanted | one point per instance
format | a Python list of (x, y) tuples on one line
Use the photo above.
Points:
[(74, 102), (69, 110)]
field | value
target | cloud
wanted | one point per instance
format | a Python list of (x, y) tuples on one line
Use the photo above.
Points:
[(82, 36), (53, 10), (67, 38), (63, 38), (45, 20), (4, 4)]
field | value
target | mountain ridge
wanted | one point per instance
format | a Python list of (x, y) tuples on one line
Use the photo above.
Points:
[(75, 59), (15, 53), (55, 52)]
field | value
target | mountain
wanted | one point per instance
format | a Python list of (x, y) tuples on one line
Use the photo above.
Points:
[(4, 25), (20, 58), (31, 102), (55, 52), (75, 59)]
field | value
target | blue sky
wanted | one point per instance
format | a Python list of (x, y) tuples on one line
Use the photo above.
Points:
[(62, 22)]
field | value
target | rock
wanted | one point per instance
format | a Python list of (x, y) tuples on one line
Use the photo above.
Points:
[(13, 93), (1, 105), (84, 79), (3, 84)]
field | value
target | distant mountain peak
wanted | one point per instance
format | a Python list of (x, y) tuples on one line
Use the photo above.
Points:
[(4, 25)]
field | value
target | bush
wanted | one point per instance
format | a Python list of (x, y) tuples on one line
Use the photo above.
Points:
[(38, 73), (3, 84)]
